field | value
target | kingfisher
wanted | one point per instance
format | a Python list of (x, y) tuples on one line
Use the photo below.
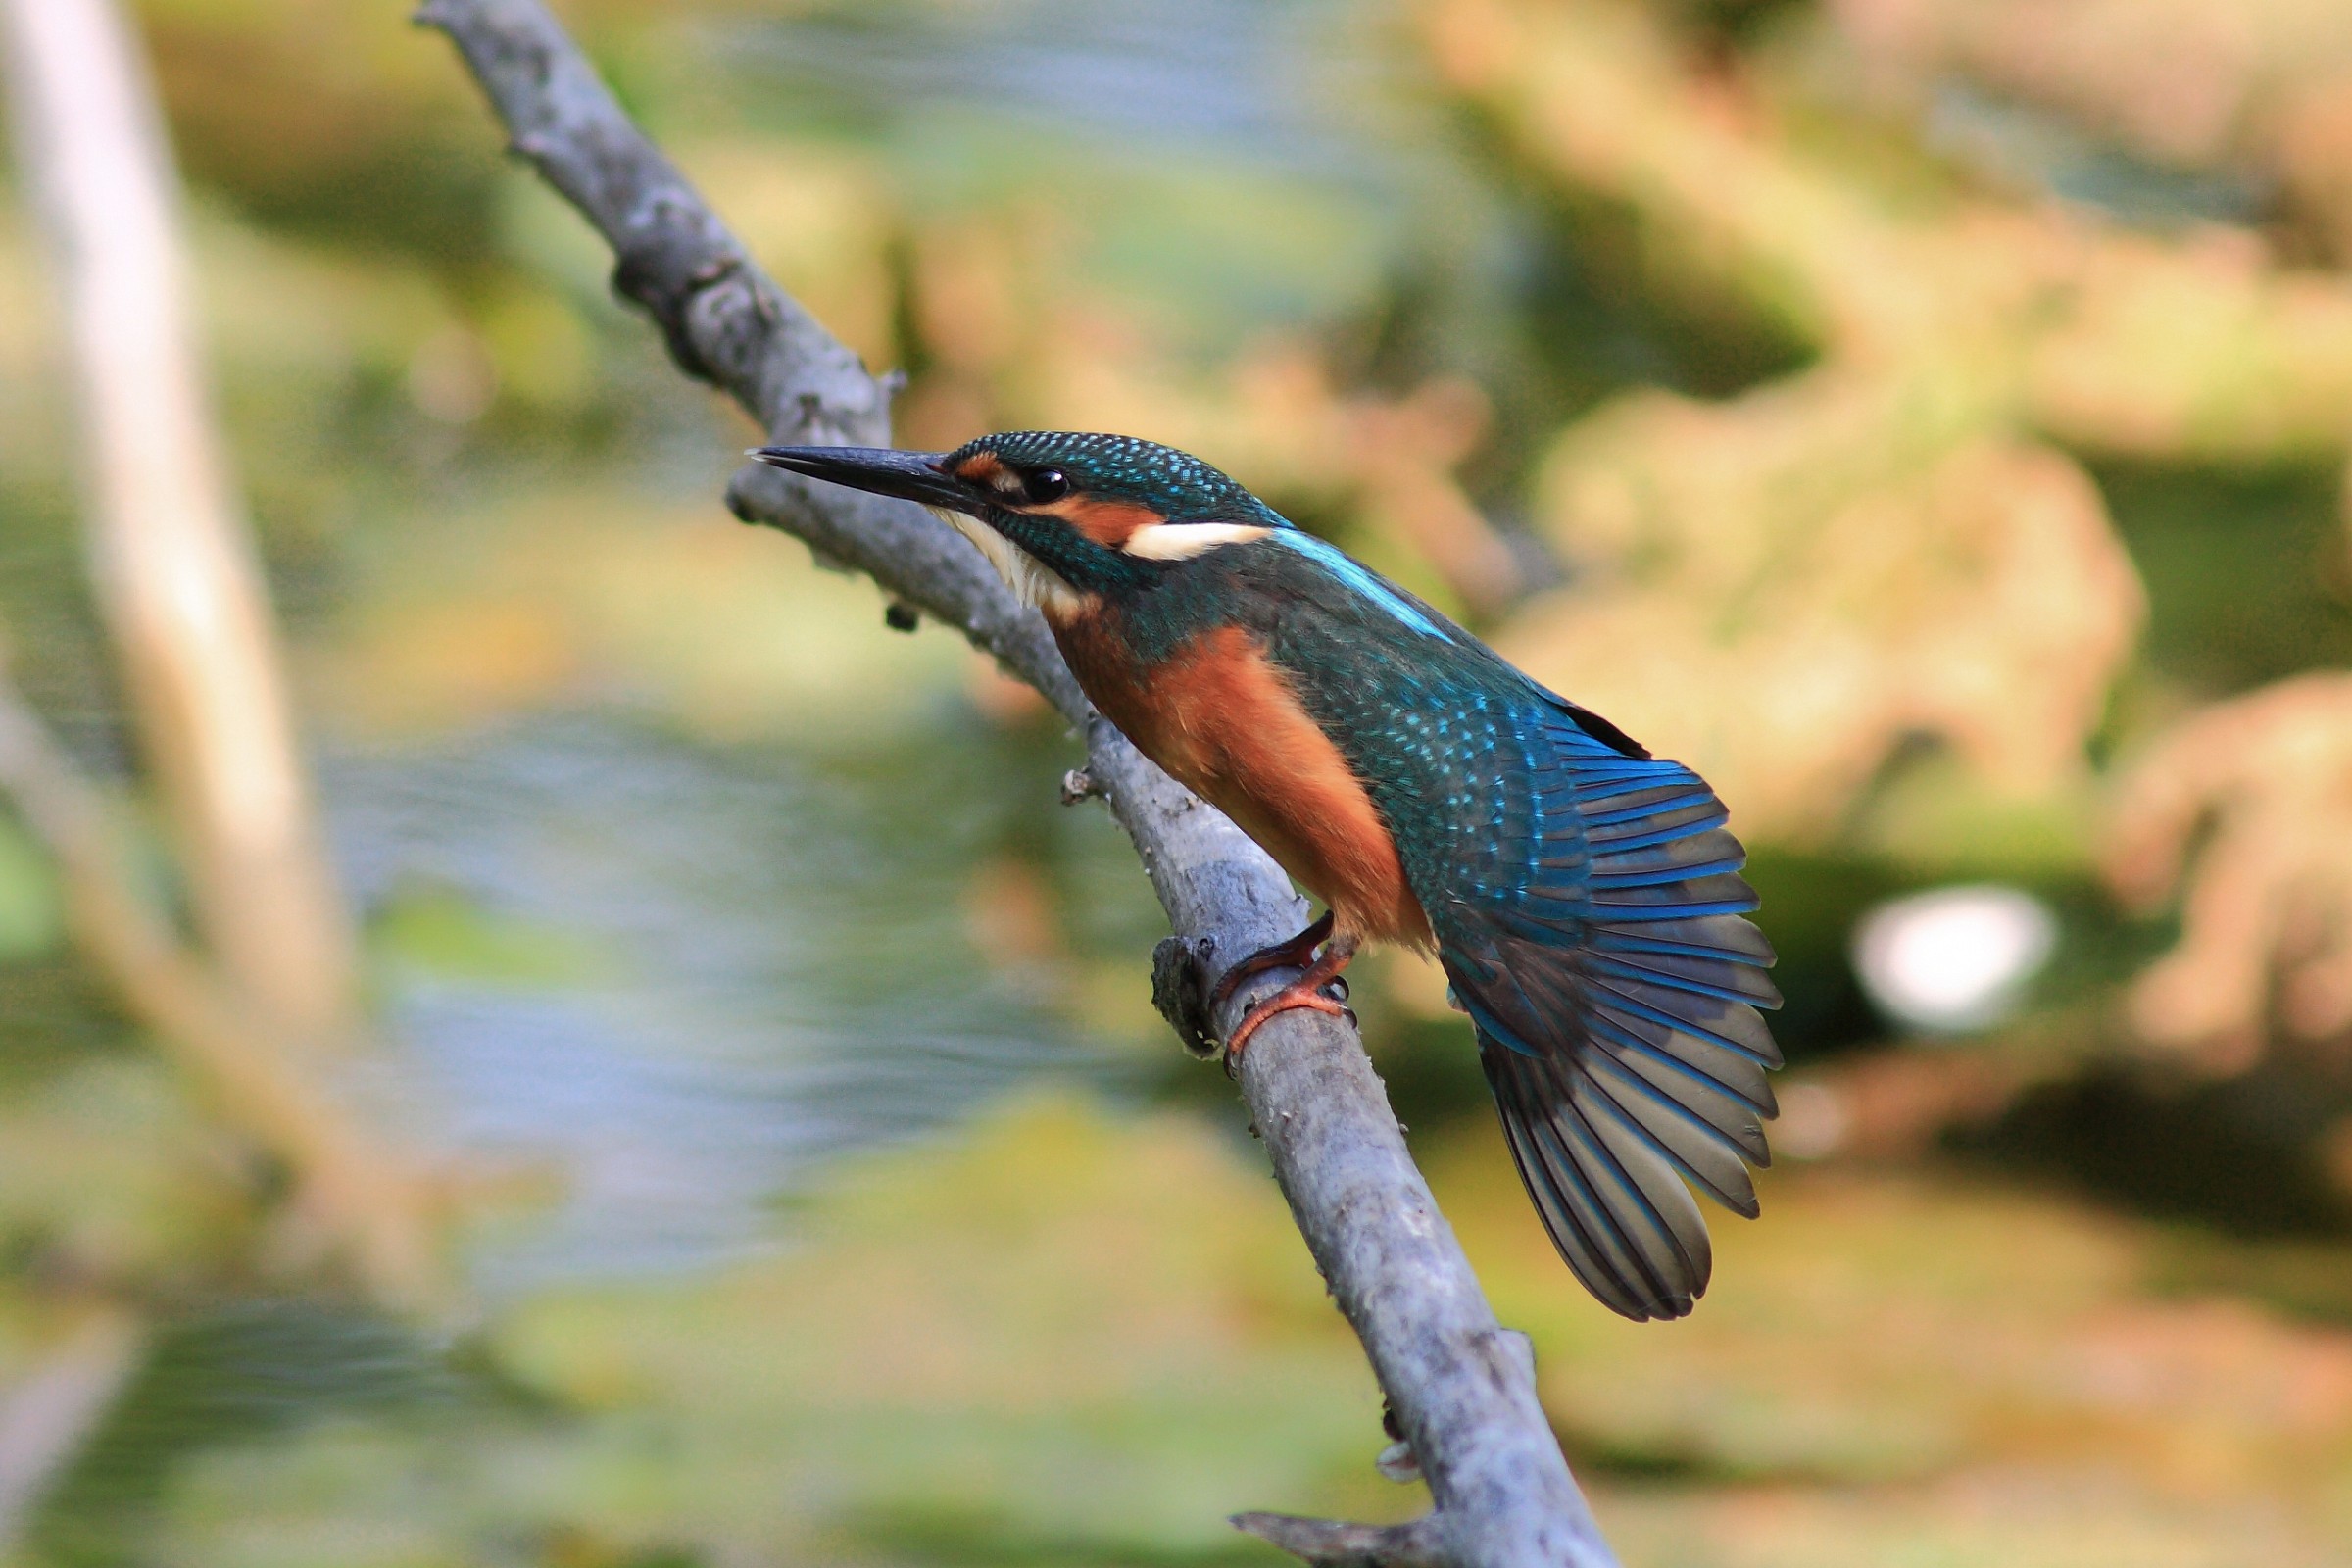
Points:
[(1583, 897)]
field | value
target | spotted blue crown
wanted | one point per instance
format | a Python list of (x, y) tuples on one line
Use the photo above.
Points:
[(1119, 468)]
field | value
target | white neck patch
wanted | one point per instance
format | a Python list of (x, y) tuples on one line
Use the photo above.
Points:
[(1182, 541)]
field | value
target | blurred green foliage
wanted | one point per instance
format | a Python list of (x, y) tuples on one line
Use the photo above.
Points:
[(441, 933), (31, 913)]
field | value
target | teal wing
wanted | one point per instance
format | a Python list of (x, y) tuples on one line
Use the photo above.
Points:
[(1587, 905), (1597, 940)]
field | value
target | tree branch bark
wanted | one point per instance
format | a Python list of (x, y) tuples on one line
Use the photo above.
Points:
[(1461, 1388)]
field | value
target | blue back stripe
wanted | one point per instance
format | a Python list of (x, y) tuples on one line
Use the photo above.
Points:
[(1335, 561)]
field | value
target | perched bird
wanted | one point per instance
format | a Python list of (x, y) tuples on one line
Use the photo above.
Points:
[(1581, 896)]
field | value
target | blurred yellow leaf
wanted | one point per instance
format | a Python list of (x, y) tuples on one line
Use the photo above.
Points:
[(1787, 588)]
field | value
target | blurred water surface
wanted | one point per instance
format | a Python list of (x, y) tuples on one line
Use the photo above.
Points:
[(695, 972)]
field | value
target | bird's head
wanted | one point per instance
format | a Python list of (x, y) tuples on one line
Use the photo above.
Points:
[(1064, 518)]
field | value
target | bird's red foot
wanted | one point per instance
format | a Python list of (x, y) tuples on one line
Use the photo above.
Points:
[(1296, 954), (1304, 992), (1300, 994)]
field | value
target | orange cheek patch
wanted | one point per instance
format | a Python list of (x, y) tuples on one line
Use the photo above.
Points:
[(1106, 523), (980, 469)]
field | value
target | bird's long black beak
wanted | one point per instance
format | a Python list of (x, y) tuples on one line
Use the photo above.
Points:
[(908, 475)]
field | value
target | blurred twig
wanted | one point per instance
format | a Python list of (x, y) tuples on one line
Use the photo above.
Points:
[(175, 576), (1329, 1545), (2247, 805), (2034, 317), (349, 1189), (45, 1417), (1462, 1390)]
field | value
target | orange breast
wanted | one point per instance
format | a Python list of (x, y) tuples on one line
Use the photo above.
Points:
[(1223, 719)]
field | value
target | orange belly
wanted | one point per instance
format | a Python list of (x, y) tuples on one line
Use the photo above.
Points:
[(1223, 722)]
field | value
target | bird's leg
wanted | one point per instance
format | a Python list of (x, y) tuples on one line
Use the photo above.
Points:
[(1304, 992), (1296, 954)]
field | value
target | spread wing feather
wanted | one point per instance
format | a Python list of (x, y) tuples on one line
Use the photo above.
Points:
[(1586, 902), (1599, 946)]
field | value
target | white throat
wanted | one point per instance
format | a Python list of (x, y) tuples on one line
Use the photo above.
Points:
[(1032, 581)]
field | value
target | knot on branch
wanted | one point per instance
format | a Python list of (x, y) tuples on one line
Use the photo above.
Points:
[(1179, 991), (825, 418), (1335, 1543), (1396, 1462), (651, 277)]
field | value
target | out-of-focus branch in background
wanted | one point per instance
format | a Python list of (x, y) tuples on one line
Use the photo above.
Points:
[(49, 1412), (351, 1195), (2198, 86), (243, 1010), (2248, 804), (178, 582)]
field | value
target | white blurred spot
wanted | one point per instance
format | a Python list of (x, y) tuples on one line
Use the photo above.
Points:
[(1955, 960), (1813, 1124)]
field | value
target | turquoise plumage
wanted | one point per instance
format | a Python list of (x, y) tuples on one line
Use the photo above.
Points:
[(1583, 897)]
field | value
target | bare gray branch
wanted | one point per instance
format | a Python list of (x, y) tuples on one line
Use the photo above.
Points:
[(1328, 1543), (1462, 1388)]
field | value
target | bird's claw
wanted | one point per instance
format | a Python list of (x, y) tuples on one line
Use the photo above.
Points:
[(1297, 953), (1297, 994)]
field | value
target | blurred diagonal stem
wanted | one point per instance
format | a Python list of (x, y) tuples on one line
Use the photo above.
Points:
[(185, 600), (1461, 1388), (175, 574), (54, 1406), (348, 1188)]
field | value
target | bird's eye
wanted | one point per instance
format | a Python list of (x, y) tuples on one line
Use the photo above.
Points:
[(1048, 484)]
